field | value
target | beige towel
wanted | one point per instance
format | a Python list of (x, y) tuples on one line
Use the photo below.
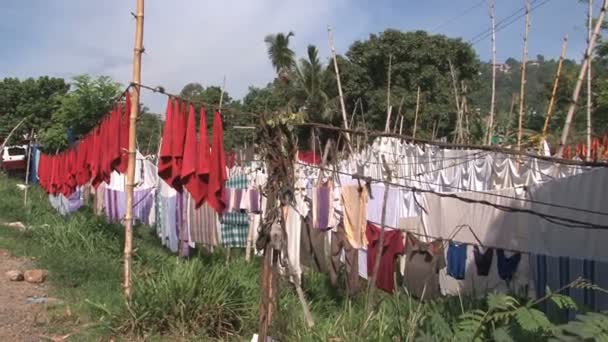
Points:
[(354, 203)]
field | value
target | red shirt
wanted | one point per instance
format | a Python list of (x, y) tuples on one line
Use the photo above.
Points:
[(393, 246)]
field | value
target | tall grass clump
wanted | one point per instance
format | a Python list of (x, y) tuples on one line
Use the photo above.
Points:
[(191, 297)]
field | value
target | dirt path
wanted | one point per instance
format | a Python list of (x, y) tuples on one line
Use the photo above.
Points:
[(19, 319)]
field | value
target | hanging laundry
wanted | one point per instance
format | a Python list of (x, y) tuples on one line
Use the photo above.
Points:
[(354, 202), (293, 228), (483, 260), (422, 265), (339, 243), (165, 162), (457, 260), (235, 227), (203, 224), (217, 173), (507, 266), (312, 249), (188, 176), (322, 206), (124, 135), (203, 160), (392, 246), (177, 143)]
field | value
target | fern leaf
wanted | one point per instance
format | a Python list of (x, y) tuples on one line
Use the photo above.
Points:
[(563, 302), (502, 334), (533, 320)]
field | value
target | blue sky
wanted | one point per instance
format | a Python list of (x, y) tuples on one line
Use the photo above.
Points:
[(203, 41)]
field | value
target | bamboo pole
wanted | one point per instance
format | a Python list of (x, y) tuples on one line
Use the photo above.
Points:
[(579, 81), (522, 87), (342, 106), (399, 114), (416, 113), (27, 167), (555, 85), (589, 32), (510, 116), (490, 128), (10, 134), (222, 94), (389, 108), (137, 52), (372, 281), (458, 137)]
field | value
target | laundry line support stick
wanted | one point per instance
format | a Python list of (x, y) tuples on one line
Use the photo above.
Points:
[(416, 113), (458, 135), (579, 81), (490, 128), (522, 86), (372, 282), (389, 108), (137, 52), (589, 33), (27, 168), (555, 85), (341, 95)]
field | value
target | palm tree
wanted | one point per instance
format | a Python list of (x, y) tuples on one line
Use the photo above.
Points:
[(311, 81), (281, 56)]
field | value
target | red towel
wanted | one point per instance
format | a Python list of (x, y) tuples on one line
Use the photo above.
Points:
[(217, 174), (203, 160), (114, 140), (177, 143), (188, 171), (124, 135), (165, 157)]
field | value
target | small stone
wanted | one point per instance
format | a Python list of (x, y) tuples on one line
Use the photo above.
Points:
[(14, 275), (36, 276)]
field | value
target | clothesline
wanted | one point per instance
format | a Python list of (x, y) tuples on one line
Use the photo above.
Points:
[(447, 239), (374, 133), (565, 221)]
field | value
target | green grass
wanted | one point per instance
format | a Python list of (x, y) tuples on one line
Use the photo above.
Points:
[(205, 298)]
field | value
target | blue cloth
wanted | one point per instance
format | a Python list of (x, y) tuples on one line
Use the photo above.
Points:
[(507, 266), (457, 260)]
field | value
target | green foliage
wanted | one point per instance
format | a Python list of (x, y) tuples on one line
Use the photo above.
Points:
[(149, 130), (34, 99), (205, 298), (80, 110)]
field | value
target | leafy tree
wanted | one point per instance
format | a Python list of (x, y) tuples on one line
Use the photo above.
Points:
[(418, 59), (80, 110), (33, 99), (149, 126)]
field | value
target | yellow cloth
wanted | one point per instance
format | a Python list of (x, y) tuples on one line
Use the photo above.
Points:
[(354, 202)]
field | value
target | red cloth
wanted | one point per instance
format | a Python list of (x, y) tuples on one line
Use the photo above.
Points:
[(177, 143), (203, 160), (124, 136), (114, 141), (309, 157), (392, 246), (188, 172), (217, 173), (165, 163)]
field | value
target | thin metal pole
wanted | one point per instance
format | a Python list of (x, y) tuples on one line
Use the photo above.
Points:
[(493, 99)]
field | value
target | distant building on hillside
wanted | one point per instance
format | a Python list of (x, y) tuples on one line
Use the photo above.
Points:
[(502, 67)]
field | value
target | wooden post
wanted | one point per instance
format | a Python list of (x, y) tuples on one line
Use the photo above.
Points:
[(342, 106), (222, 94), (416, 113), (389, 108), (372, 281), (493, 98), (589, 32), (458, 136), (510, 116), (579, 81), (522, 87), (555, 85), (27, 167), (137, 52)]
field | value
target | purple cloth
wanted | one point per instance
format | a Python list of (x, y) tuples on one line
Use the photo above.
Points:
[(115, 205), (321, 204), (254, 201)]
